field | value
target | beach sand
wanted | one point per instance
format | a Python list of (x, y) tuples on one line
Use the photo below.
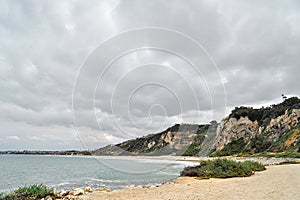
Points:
[(277, 182)]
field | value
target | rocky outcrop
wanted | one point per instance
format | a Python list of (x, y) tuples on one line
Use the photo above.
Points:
[(274, 129), (232, 129)]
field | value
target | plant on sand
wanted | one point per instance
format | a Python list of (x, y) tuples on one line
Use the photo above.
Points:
[(223, 168)]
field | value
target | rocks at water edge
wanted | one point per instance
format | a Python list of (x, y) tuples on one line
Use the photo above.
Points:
[(76, 192), (73, 194), (64, 193), (88, 189)]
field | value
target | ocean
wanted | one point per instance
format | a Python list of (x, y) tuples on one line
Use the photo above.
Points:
[(67, 172)]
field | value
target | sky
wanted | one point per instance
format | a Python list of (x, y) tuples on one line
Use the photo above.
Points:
[(84, 74)]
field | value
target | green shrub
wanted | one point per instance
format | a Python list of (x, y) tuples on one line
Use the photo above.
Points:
[(27, 192), (223, 168), (254, 166), (7, 196), (288, 155), (34, 191), (190, 171)]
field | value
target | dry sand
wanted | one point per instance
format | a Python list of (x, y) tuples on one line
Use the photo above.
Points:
[(277, 182)]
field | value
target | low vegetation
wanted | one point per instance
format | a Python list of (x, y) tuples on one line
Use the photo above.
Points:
[(289, 162), (264, 115), (27, 192), (223, 168), (234, 147)]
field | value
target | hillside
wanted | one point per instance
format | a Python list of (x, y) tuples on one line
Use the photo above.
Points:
[(173, 141), (273, 130)]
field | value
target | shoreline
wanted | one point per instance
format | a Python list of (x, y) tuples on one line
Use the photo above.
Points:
[(189, 160), (192, 159), (277, 182)]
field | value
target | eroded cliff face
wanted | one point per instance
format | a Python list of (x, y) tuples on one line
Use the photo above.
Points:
[(243, 129), (231, 129)]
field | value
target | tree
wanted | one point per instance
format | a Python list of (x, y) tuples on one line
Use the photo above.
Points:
[(283, 97)]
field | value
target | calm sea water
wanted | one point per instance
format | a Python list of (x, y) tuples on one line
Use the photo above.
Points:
[(70, 172)]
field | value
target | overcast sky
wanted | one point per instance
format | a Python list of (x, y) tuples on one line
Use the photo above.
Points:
[(83, 74)]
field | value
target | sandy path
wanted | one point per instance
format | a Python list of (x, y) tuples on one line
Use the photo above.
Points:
[(277, 182)]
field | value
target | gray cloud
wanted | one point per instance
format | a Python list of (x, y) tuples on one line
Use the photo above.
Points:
[(255, 45)]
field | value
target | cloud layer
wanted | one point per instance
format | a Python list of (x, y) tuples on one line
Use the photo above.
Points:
[(255, 46)]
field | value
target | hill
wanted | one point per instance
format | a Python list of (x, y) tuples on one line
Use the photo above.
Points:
[(274, 130)]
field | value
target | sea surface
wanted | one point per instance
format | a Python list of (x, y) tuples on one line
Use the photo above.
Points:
[(67, 172)]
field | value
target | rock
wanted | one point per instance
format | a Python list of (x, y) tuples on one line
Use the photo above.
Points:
[(103, 189), (48, 198), (88, 189), (151, 144), (55, 193), (78, 191), (70, 197), (63, 193)]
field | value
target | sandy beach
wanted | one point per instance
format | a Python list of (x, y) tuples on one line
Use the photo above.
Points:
[(277, 182)]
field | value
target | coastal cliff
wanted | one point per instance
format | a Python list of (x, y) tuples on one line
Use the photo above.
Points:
[(274, 129), (173, 141), (246, 131)]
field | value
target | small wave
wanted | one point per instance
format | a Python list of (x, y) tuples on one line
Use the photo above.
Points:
[(105, 180), (63, 184), (167, 173)]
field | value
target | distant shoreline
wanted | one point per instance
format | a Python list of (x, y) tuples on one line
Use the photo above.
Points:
[(192, 159), (30, 152)]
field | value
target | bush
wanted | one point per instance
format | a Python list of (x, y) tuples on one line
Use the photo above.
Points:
[(288, 155), (223, 168), (7, 196), (28, 192), (190, 171), (34, 191), (254, 166)]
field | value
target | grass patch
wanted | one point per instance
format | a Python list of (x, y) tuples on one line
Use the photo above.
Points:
[(223, 168), (28, 192)]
